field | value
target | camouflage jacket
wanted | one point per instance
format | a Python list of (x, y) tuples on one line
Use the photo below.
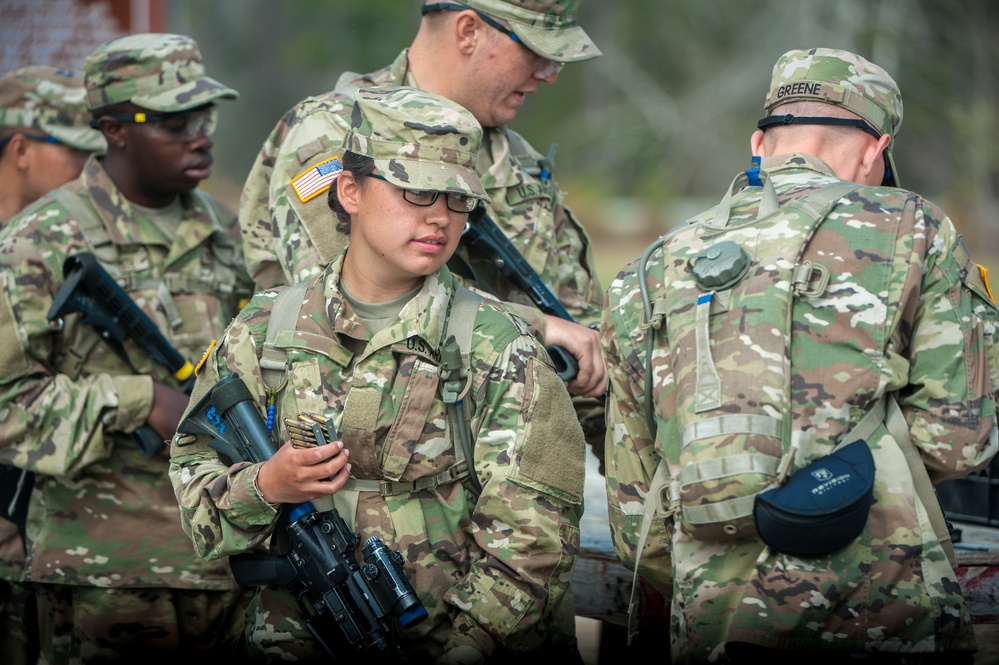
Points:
[(11, 551), (490, 572), (102, 514), (904, 312), (288, 239)]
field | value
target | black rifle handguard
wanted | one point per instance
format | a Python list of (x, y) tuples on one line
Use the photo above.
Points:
[(482, 234), (87, 288), (341, 601)]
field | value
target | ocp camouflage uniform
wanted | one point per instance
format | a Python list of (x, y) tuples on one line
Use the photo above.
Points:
[(52, 101), (287, 240), (489, 571), (102, 514), (904, 313)]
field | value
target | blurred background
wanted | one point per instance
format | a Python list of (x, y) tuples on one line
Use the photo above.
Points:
[(648, 134)]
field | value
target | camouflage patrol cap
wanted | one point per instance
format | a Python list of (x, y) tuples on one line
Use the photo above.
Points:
[(841, 78), (547, 27), (157, 71), (52, 101), (418, 140)]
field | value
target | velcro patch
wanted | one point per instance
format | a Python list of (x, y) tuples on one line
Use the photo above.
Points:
[(315, 180)]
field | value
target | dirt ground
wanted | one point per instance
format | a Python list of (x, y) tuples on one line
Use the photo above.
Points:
[(987, 636)]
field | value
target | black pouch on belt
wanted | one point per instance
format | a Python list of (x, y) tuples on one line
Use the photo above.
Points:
[(822, 508)]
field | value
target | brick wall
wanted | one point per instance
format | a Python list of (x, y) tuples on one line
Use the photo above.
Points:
[(60, 33)]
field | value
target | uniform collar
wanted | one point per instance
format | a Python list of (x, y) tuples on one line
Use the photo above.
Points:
[(795, 160), (119, 216), (495, 153), (423, 318), (495, 159)]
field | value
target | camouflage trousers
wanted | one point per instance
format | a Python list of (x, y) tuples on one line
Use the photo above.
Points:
[(79, 625), (276, 633), (18, 624), (591, 414)]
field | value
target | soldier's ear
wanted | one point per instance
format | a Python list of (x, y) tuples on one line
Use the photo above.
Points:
[(112, 129), (347, 192), (467, 30), (871, 158), (17, 149)]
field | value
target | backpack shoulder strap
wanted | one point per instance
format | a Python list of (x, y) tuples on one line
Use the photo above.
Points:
[(899, 429), (88, 220), (455, 369), (461, 323), (273, 360), (523, 152), (70, 361), (211, 206), (347, 85)]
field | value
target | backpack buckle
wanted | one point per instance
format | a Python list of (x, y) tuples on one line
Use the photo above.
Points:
[(810, 279)]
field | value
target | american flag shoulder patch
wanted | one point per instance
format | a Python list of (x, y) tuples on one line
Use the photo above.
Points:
[(315, 180)]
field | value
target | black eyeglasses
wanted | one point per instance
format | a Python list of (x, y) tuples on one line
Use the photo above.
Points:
[(186, 125), (426, 197)]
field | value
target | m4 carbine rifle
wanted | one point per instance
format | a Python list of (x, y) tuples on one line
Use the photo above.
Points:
[(341, 601), (88, 288), (482, 234)]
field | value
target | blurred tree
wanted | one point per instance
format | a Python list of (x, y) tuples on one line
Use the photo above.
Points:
[(277, 53), (667, 113)]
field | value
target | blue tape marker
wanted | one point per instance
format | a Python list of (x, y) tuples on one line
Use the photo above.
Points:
[(754, 173)]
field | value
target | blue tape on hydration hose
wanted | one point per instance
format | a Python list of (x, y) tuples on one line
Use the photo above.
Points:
[(754, 173), (703, 299)]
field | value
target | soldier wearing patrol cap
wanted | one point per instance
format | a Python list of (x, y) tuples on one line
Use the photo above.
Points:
[(818, 314), (489, 56), (44, 142), (490, 552), (114, 572), (44, 135)]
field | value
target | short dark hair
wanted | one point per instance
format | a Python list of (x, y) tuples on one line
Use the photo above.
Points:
[(6, 133), (361, 167)]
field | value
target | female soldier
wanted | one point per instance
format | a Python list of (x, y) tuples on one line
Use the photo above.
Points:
[(491, 552)]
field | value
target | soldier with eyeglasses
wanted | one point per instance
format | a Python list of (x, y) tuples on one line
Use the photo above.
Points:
[(115, 575), (489, 56), (489, 532)]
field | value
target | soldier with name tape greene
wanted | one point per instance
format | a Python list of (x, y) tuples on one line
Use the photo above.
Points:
[(819, 350)]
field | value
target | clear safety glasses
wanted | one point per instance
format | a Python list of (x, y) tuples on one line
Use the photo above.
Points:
[(185, 125)]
